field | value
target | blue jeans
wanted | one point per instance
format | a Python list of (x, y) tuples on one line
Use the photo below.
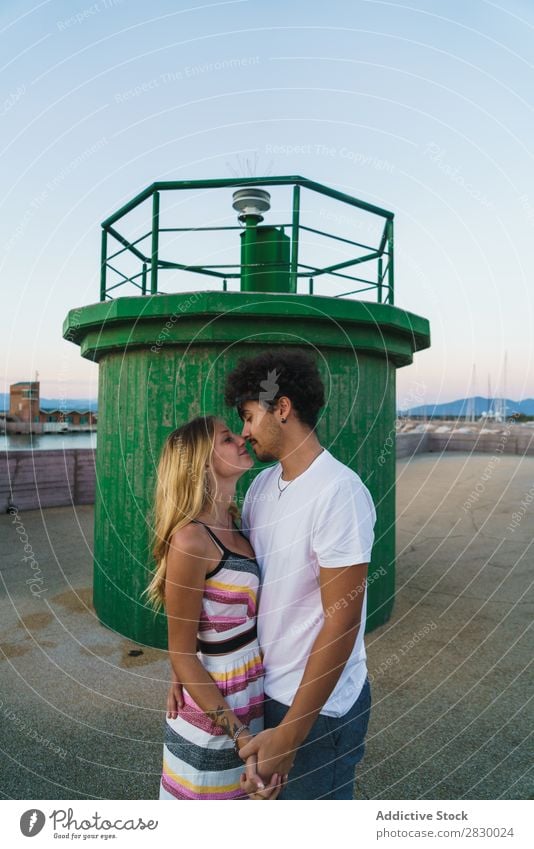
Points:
[(325, 762)]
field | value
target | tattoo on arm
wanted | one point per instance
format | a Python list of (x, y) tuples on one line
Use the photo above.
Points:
[(220, 718)]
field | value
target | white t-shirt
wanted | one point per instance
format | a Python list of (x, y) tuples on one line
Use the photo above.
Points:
[(325, 517)]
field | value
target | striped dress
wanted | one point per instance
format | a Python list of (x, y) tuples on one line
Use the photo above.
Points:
[(199, 761)]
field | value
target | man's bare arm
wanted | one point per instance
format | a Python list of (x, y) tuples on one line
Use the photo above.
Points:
[(342, 591)]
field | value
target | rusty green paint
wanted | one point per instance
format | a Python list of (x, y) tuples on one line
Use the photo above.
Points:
[(202, 316), (163, 359)]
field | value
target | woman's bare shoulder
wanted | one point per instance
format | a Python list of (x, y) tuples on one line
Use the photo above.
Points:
[(189, 541)]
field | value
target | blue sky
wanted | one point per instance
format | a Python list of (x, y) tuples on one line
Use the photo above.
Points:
[(423, 108)]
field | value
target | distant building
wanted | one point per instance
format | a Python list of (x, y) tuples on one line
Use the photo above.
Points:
[(26, 414), (24, 401), (68, 417)]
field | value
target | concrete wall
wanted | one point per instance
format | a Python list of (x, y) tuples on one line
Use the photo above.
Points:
[(518, 441), (45, 427), (54, 478), (50, 478), (408, 444)]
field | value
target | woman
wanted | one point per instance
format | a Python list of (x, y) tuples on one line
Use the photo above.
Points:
[(207, 579)]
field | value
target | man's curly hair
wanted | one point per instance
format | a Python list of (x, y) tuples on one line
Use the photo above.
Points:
[(268, 376)]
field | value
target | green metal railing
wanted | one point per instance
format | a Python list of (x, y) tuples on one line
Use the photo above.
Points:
[(146, 278)]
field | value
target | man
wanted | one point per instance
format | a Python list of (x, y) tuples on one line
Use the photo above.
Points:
[(310, 521)]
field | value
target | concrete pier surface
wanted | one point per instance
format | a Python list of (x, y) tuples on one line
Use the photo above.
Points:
[(82, 709)]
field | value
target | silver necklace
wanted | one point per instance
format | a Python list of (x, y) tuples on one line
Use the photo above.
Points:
[(282, 489)]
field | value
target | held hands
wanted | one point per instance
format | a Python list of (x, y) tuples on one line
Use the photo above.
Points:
[(251, 782), (271, 791), (274, 752)]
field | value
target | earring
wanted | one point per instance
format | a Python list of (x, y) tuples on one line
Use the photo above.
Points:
[(283, 421)]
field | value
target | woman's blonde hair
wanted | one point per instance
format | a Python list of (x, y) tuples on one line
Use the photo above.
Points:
[(185, 488)]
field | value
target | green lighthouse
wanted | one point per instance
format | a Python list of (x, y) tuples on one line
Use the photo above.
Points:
[(163, 355)]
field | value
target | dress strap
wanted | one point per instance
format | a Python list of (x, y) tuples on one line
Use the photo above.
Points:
[(212, 535)]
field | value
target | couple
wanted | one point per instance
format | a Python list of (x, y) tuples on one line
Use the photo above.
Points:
[(281, 691)]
